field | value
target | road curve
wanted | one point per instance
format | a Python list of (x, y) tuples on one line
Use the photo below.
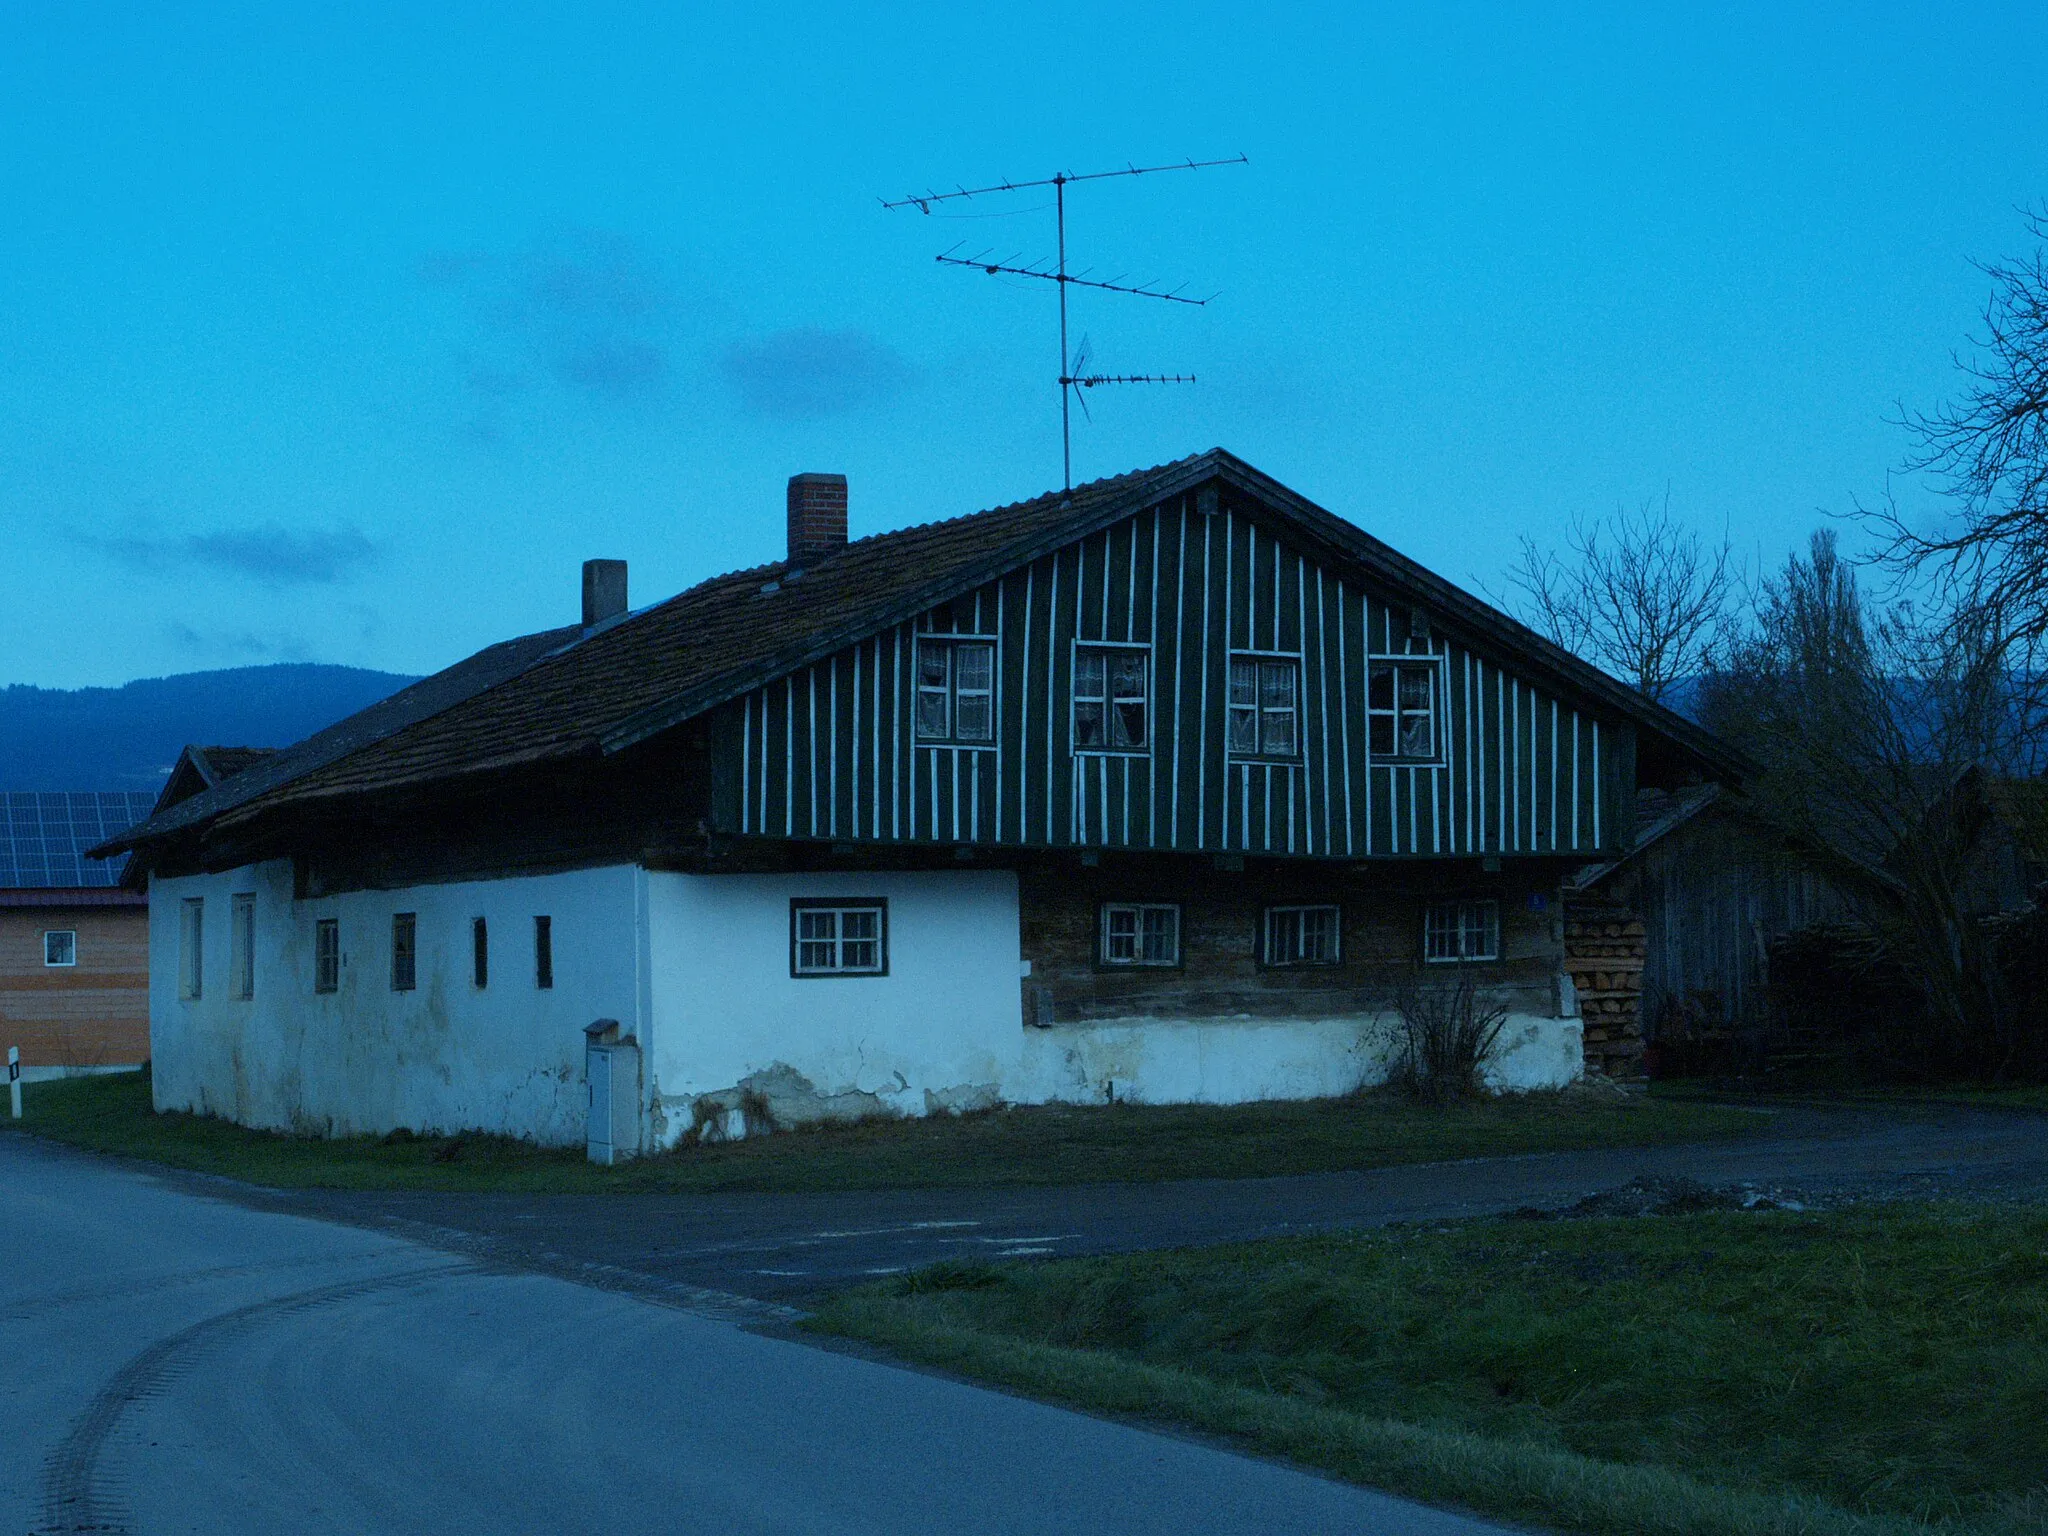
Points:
[(183, 1363)]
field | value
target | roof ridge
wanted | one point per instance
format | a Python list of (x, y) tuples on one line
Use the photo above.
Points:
[(1097, 485)]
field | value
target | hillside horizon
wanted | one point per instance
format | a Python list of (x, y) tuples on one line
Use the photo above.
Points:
[(128, 737)]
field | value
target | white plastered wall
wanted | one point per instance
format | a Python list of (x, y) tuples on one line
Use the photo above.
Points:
[(939, 1031), (446, 1056), (697, 969), (944, 1030)]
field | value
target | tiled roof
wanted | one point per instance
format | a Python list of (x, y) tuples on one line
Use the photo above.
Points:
[(421, 701), (569, 692), (44, 836)]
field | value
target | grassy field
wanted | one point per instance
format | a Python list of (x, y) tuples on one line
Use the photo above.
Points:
[(1048, 1145), (1865, 1370)]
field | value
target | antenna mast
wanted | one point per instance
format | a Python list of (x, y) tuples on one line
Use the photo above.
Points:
[(1071, 375)]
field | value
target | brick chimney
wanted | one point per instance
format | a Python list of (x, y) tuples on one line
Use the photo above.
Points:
[(817, 518), (604, 591)]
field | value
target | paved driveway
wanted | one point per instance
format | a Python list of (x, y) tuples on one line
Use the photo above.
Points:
[(782, 1247), (180, 1363)]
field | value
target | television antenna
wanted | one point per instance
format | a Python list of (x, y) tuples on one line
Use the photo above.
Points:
[(1074, 375)]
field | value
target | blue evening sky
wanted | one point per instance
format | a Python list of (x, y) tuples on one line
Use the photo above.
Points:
[(344, 333)]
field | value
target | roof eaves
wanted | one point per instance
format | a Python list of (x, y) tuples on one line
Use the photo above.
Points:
[(242, 815)]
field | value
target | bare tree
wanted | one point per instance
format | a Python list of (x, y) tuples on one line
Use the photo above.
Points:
[(1870, 729), (1988, 450), (1639, 595)]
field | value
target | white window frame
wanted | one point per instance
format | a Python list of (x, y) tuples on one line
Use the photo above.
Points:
[(950, 692), (410, 980), (1108, 698), (70, 936), (1438, 700), (325, 928), (242, 947), (192, 948), (816, 954), (1110, 935), (1259, 662), (1449, 929), (1271, 941)]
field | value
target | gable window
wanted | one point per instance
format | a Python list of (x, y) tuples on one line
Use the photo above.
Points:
[(1303, 936), (1111, 700), (1140, 933), (1264, 709), (60, 946), (480, 953), (242, 947), (405, 927), (1402, 702), (1461, 930), (839, 938), (327, 955), (191, 935), (543, 952), (955, 690)]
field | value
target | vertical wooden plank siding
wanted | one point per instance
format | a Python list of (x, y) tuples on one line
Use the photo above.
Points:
[(830, 752)]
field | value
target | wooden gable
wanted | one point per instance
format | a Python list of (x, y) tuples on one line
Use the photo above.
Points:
[(831, 751)]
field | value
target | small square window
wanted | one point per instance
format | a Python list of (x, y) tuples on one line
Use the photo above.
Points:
[(1461, 930), (1304, 936), (955, 690), (1140, 933), (60, 947), (839, 938), (327, 955), (404, 951)]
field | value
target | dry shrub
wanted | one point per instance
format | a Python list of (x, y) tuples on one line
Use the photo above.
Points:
[(1447, 1036)]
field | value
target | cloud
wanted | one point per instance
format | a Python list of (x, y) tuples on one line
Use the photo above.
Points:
[(270, 554), (238, 644), (804, 374), (584, 311)]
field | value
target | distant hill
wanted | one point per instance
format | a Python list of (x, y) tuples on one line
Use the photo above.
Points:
[(128, 737)]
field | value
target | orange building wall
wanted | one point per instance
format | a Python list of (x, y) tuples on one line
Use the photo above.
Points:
[(93, 1014)]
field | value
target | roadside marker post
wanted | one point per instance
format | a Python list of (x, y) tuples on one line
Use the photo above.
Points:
[(14, 1078)]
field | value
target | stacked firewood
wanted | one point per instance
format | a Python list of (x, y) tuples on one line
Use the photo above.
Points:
[(1604, 947)]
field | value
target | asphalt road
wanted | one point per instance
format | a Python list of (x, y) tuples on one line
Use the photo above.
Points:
[(784, 1247), (180, 1358)]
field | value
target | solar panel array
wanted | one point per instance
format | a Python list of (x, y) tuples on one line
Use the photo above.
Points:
[(43, 837)]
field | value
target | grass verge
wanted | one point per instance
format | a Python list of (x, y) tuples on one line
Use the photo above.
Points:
[(1870, 1370), (1052, 1144), (2028, 1097)]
